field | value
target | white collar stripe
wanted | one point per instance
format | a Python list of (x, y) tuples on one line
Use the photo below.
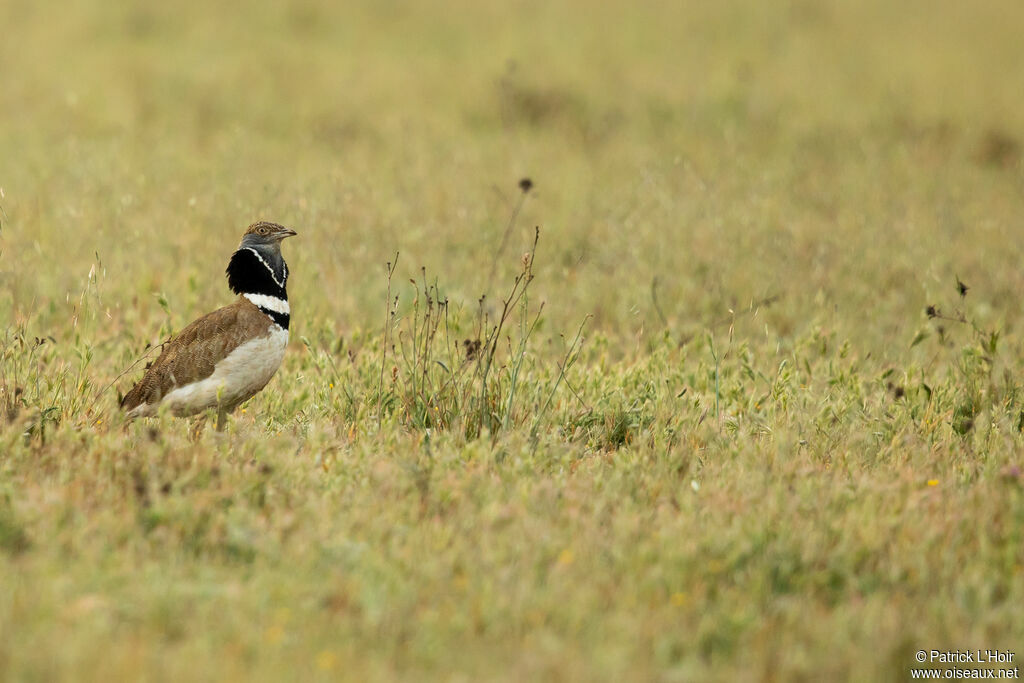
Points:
[(271, 303)]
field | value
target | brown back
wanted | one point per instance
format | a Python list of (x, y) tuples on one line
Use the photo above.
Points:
[(192, 355)]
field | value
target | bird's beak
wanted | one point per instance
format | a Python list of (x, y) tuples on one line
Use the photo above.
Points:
[(286, 232)]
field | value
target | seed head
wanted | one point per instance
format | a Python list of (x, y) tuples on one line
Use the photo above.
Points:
[(472, 348)]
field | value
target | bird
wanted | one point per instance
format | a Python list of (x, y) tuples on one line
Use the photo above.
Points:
[(225, 357)]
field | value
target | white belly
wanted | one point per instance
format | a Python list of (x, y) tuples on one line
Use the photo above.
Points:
[(238, 377)]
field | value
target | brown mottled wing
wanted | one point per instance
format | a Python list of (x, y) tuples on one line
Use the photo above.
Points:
[(193, 354)]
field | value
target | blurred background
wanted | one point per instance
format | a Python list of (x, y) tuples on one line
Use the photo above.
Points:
[(810, 493), (849, 157)]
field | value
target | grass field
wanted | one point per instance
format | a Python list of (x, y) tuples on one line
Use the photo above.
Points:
[(717, 437)]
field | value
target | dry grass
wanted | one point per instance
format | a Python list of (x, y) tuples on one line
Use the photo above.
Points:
[(717, 436)]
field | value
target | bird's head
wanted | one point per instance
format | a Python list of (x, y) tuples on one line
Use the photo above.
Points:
[(266, 235)]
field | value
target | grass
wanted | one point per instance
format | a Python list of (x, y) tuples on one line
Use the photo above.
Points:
[(728, 417)]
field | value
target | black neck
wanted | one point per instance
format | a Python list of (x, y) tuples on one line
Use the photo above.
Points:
[(281, 319), (250, 272), (262, 276)]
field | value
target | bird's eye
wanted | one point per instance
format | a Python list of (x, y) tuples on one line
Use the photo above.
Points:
[(262, 231)]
